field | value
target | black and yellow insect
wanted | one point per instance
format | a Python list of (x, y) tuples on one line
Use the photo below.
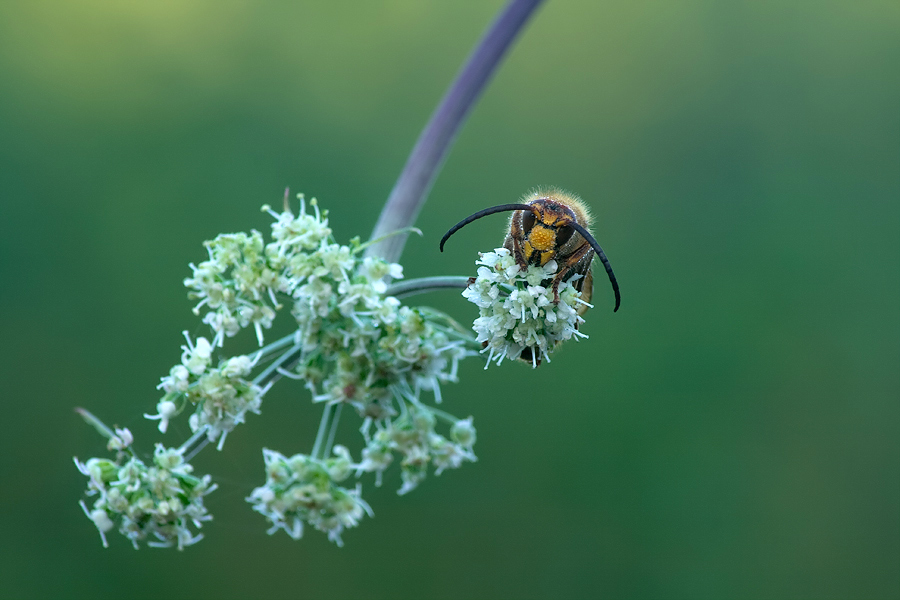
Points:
[(550, 224)]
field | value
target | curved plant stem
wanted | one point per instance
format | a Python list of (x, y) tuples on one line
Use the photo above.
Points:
[(412, 187)]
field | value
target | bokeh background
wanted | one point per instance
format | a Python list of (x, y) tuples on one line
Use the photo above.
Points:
[(733, 431)]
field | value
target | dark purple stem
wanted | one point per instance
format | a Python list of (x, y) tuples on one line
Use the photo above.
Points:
[(412, 187)]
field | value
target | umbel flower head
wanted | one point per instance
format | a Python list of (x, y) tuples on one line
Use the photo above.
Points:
[(155, 504), (517, 312), (302, 489), (353, 344), (358, 345), (353, 341), (222, 395), (413, 436)]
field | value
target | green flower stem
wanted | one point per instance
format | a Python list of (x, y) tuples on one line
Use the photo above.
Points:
[(333, 432), (441, 414), (405, 230), (96, 423), (101, 427), (464, 337), (438, 318), (411, 287), (412, 187), (194, 444), (276, 345), (271, 374), (323, 427)]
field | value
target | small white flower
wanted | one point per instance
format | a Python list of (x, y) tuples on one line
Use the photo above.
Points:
[(352, 294), (373, 269), (177, 380), (196, 357), (121, 440), (301, 233), (101, 520), (238, 366), (223, 399), (376, 458), (165, 410), (463, 432), (386, 312), (337, 261)]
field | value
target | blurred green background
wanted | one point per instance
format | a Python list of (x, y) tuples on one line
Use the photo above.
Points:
[(731, 432)]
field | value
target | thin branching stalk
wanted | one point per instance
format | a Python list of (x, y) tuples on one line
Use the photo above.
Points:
[(323, 427), (96, 423), (334, 425), (443, 415), (194, 444), (411, 287), (276, 345), (271, 374)]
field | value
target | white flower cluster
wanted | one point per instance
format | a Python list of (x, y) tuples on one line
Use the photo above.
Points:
[(412, 435), (239, 281), (355, 342), (161, 501), (353, 345), (517, 310), (221, 394), (302, 489), (363, 357)]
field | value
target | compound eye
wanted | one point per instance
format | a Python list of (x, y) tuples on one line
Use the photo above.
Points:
[(527, 221), (563, 234)]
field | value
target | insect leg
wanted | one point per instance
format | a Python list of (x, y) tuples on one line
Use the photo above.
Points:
[(569, 264), (515, 235)]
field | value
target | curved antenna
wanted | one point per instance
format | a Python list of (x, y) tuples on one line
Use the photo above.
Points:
[(612, 278), (484, 213)]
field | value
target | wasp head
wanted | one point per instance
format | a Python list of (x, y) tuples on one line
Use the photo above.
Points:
[(548, 225)]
